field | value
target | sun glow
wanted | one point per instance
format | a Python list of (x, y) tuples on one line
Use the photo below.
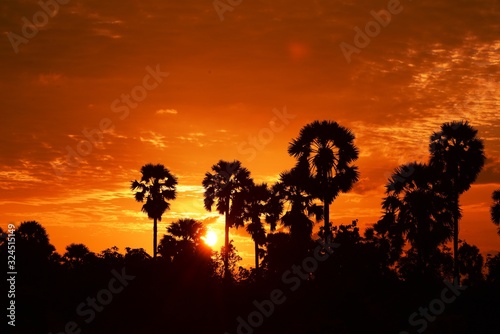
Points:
[(210, 238)]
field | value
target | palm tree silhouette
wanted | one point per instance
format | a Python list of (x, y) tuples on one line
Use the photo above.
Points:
[(76, 254), (223, 270), (223, 186), (471, 263), (458, 156), (387, 236), (34, 239), (156, 187), (495, 209), (292, 190), (417, 210), (188, 232), (184, 240), (256, 199), (329, 151), (187, 229)]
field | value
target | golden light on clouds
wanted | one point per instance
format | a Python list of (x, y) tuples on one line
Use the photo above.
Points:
[(166, 111), (225, 79)]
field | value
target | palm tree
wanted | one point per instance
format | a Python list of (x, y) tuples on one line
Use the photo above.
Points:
[(471, 263), (76, 254), (328, 149), (34, 241), (184, 239), (457, 155), (292, 190), (187, 229), (111, 256), (223, 186), (415, 209), (188, 233), (232, 261), (256, 199), (495, 209), (135, 256), (156, 187)]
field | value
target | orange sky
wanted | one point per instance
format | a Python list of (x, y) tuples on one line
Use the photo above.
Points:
[(435, 61)]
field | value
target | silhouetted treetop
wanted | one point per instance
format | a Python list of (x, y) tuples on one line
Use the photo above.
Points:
[(328, 150), (156, 187), (224, 188)]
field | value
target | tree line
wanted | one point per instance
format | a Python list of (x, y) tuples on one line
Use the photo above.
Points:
[(372, 282), (421, 207)]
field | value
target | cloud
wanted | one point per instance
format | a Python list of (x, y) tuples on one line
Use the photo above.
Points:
[(418, 73), (194, 138), (50, 78), (153, 138), (166, 111)]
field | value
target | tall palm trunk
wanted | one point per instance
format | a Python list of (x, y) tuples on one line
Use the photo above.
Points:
[(326, 212), (226, 246), (456, 269), (326, 209), (421, 257), (155, 235), (256, 257)]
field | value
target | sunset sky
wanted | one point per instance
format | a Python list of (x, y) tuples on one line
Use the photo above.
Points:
[(171, 82)]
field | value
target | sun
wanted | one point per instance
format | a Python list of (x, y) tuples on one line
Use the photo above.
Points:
[(210, 238)]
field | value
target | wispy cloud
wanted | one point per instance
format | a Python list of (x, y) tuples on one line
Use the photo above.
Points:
[(418, 73), (153, 138), (194, 138), (166, 111)]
